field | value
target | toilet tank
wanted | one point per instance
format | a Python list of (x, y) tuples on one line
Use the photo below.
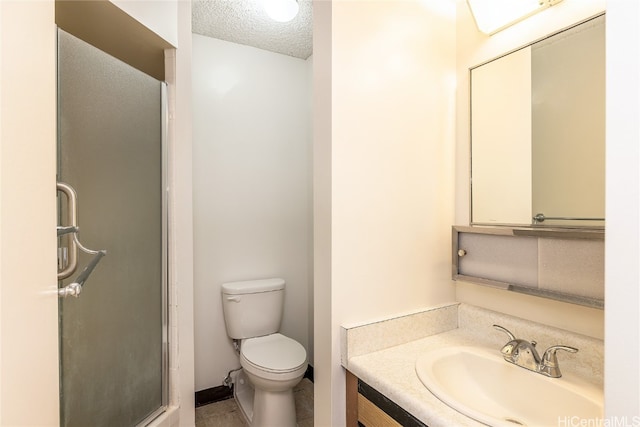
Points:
[(252, 308)]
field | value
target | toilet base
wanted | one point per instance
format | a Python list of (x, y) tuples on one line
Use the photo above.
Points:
[(262, 408), (243, 393), (273, 409)]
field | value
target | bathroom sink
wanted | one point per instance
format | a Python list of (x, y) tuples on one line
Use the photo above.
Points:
[(480, 384)]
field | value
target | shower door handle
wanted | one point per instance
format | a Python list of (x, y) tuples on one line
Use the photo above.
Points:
[(69, 228), (71, 252), (74, 289)]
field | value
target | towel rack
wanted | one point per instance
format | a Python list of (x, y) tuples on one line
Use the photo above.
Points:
[(540, 218), (72, 229)]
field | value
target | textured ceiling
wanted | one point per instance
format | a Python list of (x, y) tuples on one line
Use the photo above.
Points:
[(245, 22)]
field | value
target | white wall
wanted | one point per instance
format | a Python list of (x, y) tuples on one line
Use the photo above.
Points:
[(622, 246), (181, 321), (310, 290), (390, 173), (474, 48), (251, 188)]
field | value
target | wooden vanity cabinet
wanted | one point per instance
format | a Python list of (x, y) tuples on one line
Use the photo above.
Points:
[(369, 408)]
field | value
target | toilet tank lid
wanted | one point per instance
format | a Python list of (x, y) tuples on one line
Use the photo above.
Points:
[(252, 286)]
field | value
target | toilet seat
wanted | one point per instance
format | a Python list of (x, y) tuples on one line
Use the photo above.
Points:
[(273, 354)]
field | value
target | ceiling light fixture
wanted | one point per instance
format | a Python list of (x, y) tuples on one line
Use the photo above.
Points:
[(281, 10), (492, 16)]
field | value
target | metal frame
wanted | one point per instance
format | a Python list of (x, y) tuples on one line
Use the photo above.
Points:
[(557, 233), (165, 263)]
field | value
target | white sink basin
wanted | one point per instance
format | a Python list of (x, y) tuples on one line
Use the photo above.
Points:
[(480, 384)]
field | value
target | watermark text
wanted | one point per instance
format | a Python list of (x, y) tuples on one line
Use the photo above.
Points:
[(575, 421)]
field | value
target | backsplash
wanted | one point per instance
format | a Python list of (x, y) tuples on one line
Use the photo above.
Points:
[(366, 338), (474, 325)]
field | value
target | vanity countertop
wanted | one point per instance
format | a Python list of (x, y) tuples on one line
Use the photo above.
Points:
[(391, 369)]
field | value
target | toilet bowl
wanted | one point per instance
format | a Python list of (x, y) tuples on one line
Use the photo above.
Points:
[(275, 361), (272, 363)]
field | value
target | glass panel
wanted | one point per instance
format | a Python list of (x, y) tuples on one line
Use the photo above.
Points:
[(110, 151)]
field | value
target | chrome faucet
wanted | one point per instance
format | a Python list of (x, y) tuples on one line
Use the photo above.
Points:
[(524, 354)]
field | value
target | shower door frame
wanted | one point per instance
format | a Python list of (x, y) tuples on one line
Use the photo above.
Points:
[(166, 344), (164, 122)]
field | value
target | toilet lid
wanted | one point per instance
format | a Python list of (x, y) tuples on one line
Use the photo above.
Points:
[(274, 352)]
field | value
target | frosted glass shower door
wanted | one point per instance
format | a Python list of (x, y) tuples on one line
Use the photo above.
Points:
[(113, 335)]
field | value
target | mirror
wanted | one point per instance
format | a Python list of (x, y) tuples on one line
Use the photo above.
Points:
[(538, 132)]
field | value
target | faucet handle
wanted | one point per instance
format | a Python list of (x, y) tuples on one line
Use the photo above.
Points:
[(506, 331), (549, 365), (550, 353)]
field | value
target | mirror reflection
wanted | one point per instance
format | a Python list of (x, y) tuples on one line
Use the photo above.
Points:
[(538, 132)]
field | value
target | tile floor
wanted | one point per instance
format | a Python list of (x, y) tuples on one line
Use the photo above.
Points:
[(227, 413)]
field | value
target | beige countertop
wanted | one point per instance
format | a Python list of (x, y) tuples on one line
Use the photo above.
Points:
[(383, 354)]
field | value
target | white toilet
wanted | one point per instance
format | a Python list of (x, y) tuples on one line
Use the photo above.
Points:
[(272, 363)]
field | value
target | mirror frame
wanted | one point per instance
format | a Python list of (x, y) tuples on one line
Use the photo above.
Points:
[(554, 228)]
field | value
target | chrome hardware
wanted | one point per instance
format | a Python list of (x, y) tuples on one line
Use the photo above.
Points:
[(550, 361), (62, 230), (461, 253), (74, 289), (524, 354), (63, 259), (506, 331), (71, 290), (72, 226), (540, 218), (68, 257), (228, 380)]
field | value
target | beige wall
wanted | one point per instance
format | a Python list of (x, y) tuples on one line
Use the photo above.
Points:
[(474, 48), (29, 301), (391, 173)]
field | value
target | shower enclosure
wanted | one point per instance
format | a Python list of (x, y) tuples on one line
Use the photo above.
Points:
[(113, 334)]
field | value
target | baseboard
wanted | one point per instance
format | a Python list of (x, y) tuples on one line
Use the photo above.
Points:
[(213, 394), (308, 374), (222, 392)]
